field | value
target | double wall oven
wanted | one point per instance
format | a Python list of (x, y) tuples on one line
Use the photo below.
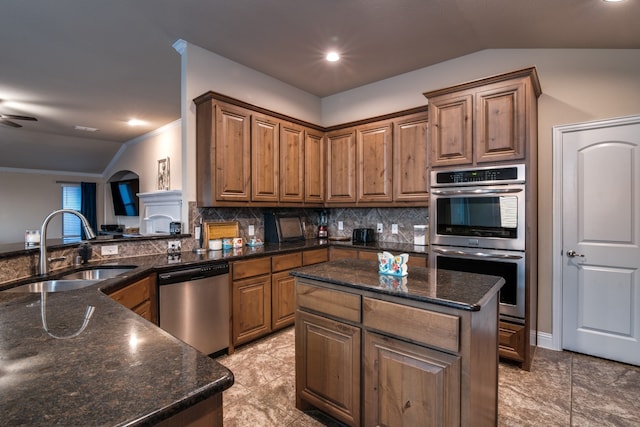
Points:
[(478, 226)]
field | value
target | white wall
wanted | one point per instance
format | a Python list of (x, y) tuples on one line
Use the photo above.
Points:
[(204, 71), (141, 156), (27, 197)]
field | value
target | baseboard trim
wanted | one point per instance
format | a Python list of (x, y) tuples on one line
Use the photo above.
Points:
[(545, 340)]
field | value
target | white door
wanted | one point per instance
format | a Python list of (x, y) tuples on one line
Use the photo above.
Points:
[(601, 240)]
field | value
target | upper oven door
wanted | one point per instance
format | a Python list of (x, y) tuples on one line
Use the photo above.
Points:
[(479, 216)]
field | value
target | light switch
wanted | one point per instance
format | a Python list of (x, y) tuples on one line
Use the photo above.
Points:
[(340, 225), (394, 228)]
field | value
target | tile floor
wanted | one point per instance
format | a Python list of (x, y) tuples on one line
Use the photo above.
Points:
[(562, 389)]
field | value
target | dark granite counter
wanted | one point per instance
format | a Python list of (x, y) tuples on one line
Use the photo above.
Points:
[(456, 289), (395, 248), (121, 370)]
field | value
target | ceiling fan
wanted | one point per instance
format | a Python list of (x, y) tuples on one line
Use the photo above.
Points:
[(7, 120)]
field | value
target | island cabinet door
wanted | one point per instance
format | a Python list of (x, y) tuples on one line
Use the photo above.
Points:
[(328, 367), (409, 385)]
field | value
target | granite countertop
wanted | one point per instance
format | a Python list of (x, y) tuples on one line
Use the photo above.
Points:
[(466, 291), (122, 369), (392, 247)]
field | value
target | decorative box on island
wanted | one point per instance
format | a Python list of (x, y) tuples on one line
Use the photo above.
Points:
[(393, 265)]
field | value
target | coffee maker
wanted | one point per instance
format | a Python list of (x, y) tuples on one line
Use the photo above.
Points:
[(323, 231)]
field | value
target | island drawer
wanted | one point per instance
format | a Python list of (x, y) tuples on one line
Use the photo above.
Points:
[(422, 326), (328, 301), (251, 267), (286, 262)]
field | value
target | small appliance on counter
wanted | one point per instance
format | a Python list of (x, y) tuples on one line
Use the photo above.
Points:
[(283, 227), (363, 235), (323, 231)]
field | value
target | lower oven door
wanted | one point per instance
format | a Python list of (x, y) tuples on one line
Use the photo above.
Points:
[(507, 264)]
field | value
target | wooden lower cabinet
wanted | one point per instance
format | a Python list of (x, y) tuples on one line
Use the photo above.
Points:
[(328, 367), (140, 297), (263, 295), (368, 361), (283, 304), (409, 385), (251, 299), (512, 341), (251, 308)]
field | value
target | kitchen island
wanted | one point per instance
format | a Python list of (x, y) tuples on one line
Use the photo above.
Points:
[(375, 349)]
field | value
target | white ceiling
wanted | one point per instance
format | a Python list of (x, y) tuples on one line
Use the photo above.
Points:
[(99, 63)]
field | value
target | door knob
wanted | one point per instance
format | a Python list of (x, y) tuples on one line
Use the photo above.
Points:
[(572, 254)]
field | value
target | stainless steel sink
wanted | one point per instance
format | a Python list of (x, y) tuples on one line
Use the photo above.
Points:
[(59, 285), (98, 273), (72, 281)]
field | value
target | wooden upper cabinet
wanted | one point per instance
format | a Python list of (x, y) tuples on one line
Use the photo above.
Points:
[(375, 162), (341, 165), (265, 158), (292, 144), (500, 113), (223, 148), (411, 159), (232, 153), (314, 168), (487, 120), (451, 136)]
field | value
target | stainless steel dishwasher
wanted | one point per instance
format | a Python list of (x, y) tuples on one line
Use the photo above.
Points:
[(194, 305)]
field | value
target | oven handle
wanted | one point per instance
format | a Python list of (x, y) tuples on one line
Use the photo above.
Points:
[(481, 255), (476, 191)]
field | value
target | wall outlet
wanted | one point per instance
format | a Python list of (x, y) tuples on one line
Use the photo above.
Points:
[(380, 228), (109, 250), (174, 245), (394, 228), (251, 230), (340, 225)]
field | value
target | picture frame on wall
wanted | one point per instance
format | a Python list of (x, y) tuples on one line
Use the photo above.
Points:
[(163, 174)]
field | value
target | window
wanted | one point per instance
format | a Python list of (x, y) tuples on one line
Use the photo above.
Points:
[(71, 199)]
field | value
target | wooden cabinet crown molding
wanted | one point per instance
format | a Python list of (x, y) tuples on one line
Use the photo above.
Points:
[(525, 72), (214, 96)]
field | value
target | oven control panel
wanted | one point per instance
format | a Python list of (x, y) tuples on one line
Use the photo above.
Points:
[(483, 176)]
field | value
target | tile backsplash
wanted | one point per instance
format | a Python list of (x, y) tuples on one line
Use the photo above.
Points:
[(351, 218)]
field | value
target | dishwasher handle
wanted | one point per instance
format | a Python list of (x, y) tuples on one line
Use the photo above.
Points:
[(193, 273)]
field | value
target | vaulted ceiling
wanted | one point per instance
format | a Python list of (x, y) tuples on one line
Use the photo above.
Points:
[(97, 64)]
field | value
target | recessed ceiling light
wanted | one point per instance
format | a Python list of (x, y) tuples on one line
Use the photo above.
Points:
[(333, 56), (136, 122), (86, 128), (613, 1)]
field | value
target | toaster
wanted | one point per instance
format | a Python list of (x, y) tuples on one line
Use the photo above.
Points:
[(363, 235)]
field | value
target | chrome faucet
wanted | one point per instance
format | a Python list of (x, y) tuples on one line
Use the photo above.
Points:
[(44, 267)]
